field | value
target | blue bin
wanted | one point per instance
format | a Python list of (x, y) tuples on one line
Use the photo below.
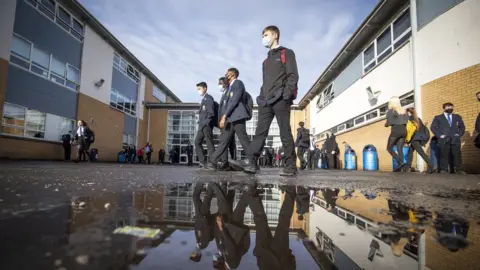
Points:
[(121, 157), (350, 159), (370, 158), (405, 156)]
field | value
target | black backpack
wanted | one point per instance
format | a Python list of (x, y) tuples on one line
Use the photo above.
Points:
[(306, 135), (249, 106), (91, 136), (215, 116)]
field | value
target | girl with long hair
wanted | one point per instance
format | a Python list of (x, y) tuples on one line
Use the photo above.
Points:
[(397, 119), (419, 139)]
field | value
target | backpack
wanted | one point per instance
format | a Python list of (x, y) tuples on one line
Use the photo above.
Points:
[(66, 138), (91, 135), (216, 106), (477, 141), (306, 136), (411, 129), (249, 106), (284, 62)]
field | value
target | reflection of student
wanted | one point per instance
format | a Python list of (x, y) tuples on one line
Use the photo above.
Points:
[(231, 235), (204, 221), (303, 201), (273, 252), (401, 237), (330, 196), (452, 231)]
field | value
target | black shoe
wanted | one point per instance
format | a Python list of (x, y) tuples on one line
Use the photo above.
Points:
[(238, 165), (429, 170), (288, 171), (211, 166), (460, 172), (223, 166), (399, 167), (442, 172), (251, 166)]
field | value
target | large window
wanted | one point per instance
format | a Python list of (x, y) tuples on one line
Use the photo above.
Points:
[(392, 38), (129, 139), (28, 56), (60, 16), (21, 121), (325, 97), (123, 66), (122, 103), (159, 94)]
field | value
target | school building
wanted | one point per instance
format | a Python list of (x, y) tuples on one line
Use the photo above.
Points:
[(425, 52)]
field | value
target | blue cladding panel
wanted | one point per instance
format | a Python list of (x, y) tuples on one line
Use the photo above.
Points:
[(348, 76), (130, 124), (124, 85)]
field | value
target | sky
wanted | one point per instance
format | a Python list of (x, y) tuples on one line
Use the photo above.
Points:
[(184, 42)]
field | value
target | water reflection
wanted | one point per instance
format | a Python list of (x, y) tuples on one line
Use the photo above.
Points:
[(227, 225)]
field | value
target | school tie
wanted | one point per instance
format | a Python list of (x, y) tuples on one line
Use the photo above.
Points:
[(450, 120)]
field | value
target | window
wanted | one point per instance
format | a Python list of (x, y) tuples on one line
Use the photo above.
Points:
[(128, 139), (123, 66), (20, 121), (341, 127), (43, 63), (122, 103), (360, 120), (396, 33), (157, 93), (349, 124), (60, 16), (35, 124), (372, 115), (407, 100), (383, 110)]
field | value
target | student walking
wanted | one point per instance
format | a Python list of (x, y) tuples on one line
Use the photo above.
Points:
[(419, 139), (396, 119), (206, 114), (279, 89)]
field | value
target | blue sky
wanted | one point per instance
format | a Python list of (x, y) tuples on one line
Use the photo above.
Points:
[(187, 41)]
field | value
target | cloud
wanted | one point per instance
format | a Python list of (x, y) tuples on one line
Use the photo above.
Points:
[(188, 41)]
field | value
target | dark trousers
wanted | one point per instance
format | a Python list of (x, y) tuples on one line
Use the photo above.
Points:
[(278, 244), (67, 150), (82, 149), (301, 156), (417, 146), (231, 128), (331, 161), (447, 150), (399, 142), (311, 160), (207, 134), (232, 147), (190, 159), (149, 157), (202, 208), (140, 159), (280, 110)]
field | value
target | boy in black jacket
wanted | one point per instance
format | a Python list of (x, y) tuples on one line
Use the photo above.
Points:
[(279, 89)]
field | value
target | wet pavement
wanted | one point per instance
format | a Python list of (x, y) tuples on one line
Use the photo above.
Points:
[(76, 216)]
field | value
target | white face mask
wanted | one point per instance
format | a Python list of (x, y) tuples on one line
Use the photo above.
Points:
[(200, 93), (267, 41), (221, 88)]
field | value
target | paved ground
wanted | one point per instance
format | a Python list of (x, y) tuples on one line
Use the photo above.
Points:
[(36, 201)]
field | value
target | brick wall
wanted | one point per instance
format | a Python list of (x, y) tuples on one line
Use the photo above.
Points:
[(23, 148), (107, 124), (459, 88), (158, 131)]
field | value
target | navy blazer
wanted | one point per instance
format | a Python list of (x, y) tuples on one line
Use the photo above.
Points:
[(223, 104), (477, 124), (441, 127), (299, 141), (235, 108), (206, 112)]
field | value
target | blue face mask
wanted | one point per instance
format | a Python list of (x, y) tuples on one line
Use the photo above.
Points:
[(267, 41)]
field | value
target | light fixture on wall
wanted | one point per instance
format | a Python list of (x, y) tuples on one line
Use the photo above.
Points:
[(91, 120), (99, 83), (372, 95)]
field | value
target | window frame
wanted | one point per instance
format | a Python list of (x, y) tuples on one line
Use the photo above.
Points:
[(73, 86), (325, 99), (379, 57), (133, 74), (25, 127), (54, 16), (161, 92), (121, 106)]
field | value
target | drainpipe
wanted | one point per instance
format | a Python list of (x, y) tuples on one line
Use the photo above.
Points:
[(416, 84), (148, 126)]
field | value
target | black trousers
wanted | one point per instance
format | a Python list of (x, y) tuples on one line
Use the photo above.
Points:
[(280, 110), (278, 244), (447, 150), (190, 159), (232, 147), (67, 149), (231, 128), (82, 149), (399, 142), (311, 160), (331, 161), (417, 146), (301, 156), (202, 208), (149, 157), (207, 134)]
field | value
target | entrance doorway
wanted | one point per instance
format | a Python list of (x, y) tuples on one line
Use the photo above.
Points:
[(175, 154)]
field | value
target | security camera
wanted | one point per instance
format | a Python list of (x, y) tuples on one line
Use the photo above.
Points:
[(99, 83)]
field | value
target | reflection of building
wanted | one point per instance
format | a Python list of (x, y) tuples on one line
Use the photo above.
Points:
[(420, 53)]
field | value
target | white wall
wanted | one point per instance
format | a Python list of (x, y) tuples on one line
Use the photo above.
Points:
[(7, 19), (356, 243), (97, 63), (393, 77), (449, 43), (141, 97)]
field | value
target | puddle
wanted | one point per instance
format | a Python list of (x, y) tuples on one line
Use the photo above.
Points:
[(205, 226)]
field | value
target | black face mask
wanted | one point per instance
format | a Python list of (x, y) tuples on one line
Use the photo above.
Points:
[(449, 111)]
